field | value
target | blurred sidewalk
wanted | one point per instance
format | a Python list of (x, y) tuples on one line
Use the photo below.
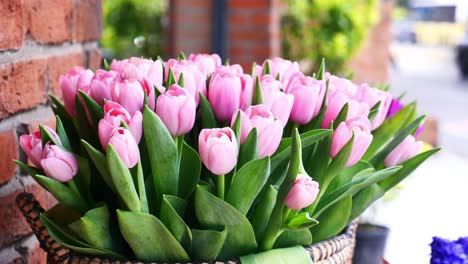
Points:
[(433, 199)]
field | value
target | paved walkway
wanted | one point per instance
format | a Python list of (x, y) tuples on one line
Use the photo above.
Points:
[(433, 201)]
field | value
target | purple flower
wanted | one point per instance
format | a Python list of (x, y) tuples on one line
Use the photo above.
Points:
[(395, 107), (444, 251)]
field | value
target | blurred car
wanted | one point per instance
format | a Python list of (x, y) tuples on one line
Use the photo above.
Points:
[(403, 31), (462, 55)]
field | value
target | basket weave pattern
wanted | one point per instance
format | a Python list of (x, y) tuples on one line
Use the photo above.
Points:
[(336, 250)]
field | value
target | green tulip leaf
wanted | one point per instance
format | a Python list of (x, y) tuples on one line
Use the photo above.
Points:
[(208, 119), (171, 78), (95, 111), (140, 179), (257, 97), (388, 129), (249, 149), (47, 136), (290, 238), (352, 188), (374, 111), (363, 199), (333, 220), (308, 139), (247, 184), (149, 239), (122, 180), (62, 193), (236, 127), (62, 133), (341, 117), (261, 213), (361, 168), (100, 162), (181, 81), (321, 71), (163, 154), (301, 221), (64, 238), (82, 124), (296, 255), (189, 173), (172, 210), (207, 244), (266, 68), (59, 108), (213, 212), (28, 169), (95, 228)]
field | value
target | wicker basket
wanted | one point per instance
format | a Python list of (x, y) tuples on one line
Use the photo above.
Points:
[(337, 250)]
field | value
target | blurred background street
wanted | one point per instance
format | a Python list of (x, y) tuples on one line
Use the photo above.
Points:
[(432, 201)]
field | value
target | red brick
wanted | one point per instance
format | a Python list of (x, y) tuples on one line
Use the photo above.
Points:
[(87, 20), (48, 21), (94, 59), (11, 24), (58, 65), (22, 86), (7, 155), (249, 3), (13, 225)]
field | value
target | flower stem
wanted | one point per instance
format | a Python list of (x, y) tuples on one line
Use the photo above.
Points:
[(220, 186), (73, 186), (286, 212)]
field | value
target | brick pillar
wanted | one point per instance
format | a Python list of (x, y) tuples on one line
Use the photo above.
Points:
[(372, 63), (253, 31), (39, 41), (189, 26)]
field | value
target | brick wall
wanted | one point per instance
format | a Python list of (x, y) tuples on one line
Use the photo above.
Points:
[(253, 29), (39, 40), (372, 63)]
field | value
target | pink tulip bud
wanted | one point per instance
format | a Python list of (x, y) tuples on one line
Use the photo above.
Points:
[(303, 193), (308, 97), (218, 149), (336, 100), (58, 164), (228, 92), (125, 145), (236, 68), (269, 129), (194, 79), (407, 149), (76, 79), (371, 96), (275, 99), (206, 63), (114, 114), (147, 72), (129, 94), (395, 107), (340, 85), (360, 127), (32, 145), (176, 108), (100, 87)]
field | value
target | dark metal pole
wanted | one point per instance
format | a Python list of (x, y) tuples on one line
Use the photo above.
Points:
[(219, 18)]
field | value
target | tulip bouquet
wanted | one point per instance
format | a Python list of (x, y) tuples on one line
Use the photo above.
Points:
[(189, 159)]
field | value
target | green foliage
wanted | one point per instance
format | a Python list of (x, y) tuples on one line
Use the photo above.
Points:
[(332, 29), (133, 27)]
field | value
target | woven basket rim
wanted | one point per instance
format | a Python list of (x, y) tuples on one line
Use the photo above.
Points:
[(339, 247)]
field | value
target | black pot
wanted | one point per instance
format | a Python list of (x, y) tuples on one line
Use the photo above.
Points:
[(370, 244)]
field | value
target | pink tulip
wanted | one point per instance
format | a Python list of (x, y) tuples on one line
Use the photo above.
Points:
[(125, 145), (360, 127), (236, 68), (114, 114), (176, 108), (371, 96), (336, 100), (100, 87), (129, 94), (269, 130), (32, 145), (194, 79), (58, 164), (340, 85), (407, 149), (308, 97), (285, 68), (76, 79), (207, 63), (279, 103), (303, 193), (218, 149), (228, 92), (148, 72)]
